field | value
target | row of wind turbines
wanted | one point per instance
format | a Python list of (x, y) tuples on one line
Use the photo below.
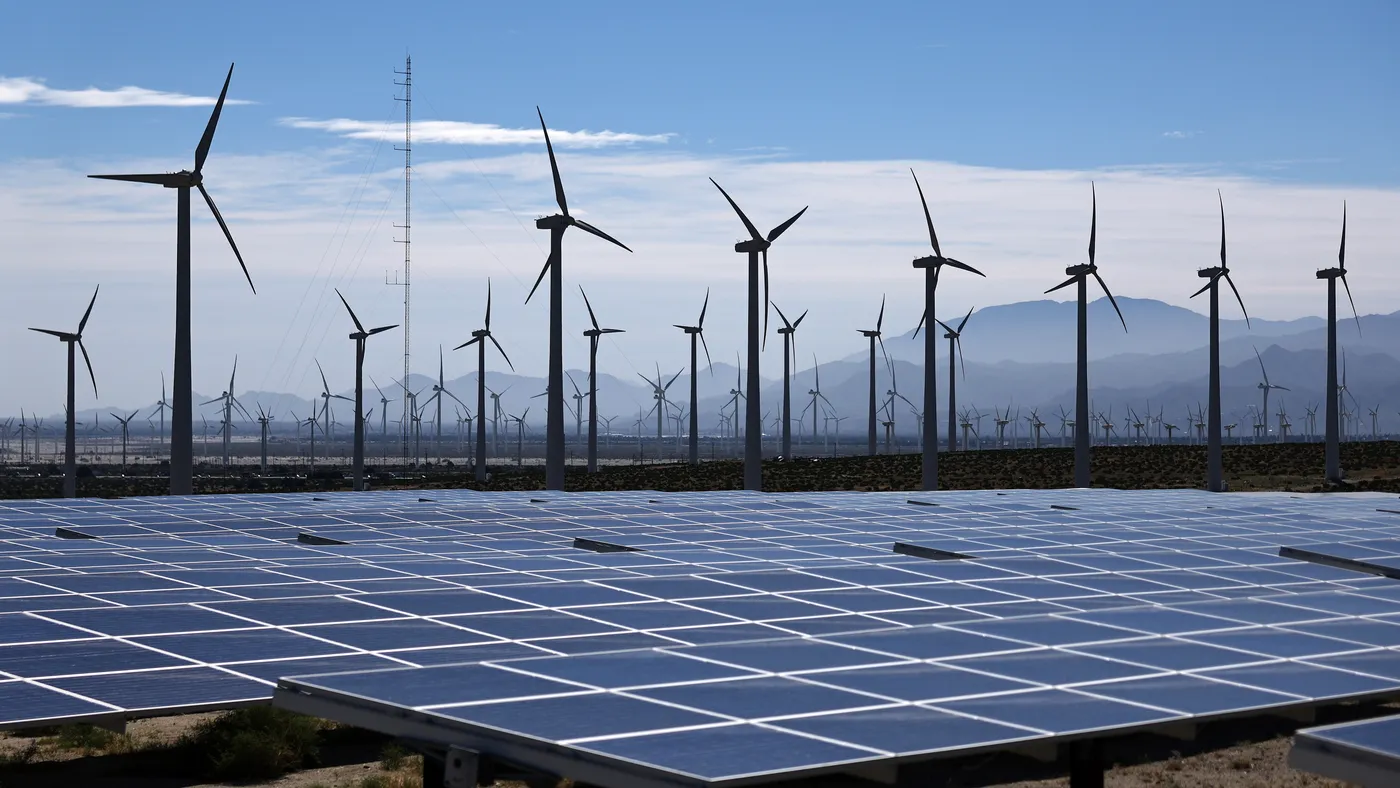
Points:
[(755, 248)]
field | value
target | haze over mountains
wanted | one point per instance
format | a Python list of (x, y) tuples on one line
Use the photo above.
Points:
[(1021, 355)]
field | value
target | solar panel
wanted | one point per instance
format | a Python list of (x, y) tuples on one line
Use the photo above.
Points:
[(218, 596), (1365, 753)]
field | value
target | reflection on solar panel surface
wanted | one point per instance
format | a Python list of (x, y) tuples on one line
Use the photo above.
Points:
[(735, 617)]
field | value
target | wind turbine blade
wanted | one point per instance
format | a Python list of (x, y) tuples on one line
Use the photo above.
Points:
[(1111, 300), (667, 387), (783, 317), (358, 327), (1261, 366), (1065, 283), (381, 329), (591, 317), (83, 323), (471, 341), (1347, 287), (766, 302), (1231, 282), (88, 361), (964, 320), (488, 301), (1342, 250), (962, 360), (1222, 228), (1207, 285), (202, 152), (503, 354), (1093, 222), (932, 236), (158, 178), (1281, 388), (798, 322), (748, 225), (948, 261), (212, 401), (880, 321), (945, 326), (782, 228), (547, 263), (50, 332), (922, 316), (708, 363), (705, 307), (554, 167), (220, 219), (588, 228)]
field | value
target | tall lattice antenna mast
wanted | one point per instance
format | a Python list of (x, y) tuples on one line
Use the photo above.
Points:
[(407, 241)]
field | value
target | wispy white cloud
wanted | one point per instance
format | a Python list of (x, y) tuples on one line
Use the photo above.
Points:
[(458, 132), (32, 90), (1181, 135)]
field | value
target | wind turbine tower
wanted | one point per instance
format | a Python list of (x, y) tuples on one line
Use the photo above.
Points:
[(1332, 451), (1215, 471), (695, 332)]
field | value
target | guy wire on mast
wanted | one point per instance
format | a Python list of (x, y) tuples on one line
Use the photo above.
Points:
[(406, 426)]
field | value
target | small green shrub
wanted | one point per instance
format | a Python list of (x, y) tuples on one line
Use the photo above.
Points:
[(257, 743)]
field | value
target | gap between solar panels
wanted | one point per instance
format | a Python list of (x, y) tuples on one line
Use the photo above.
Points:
[(931, 553), (597, 546), (69, 533), (305, 538), (1339, 562)]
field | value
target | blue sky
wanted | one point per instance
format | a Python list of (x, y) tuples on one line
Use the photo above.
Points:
[(1299, 89), (1006, 110)]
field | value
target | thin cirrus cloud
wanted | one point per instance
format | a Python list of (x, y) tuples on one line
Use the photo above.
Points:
[(454, 132), (30, 90), (1181, 135)]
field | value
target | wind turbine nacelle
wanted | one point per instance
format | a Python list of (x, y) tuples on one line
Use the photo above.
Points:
[(1083, 269), (1207, 273), (931, 261), (752, 245), (1330, 273), (556, 222)]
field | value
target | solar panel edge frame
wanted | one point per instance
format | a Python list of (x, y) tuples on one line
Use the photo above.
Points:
[(1314, 754)]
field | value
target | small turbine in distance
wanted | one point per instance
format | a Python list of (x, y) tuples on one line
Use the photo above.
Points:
[(70, 453)]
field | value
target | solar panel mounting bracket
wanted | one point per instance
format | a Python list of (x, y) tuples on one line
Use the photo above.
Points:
[(931, 553), (461, 768)]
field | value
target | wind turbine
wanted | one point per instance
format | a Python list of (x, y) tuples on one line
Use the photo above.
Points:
[(954, 337), (383, 410), (557, 224), (753, 426), (1079, 274), (70, 452), (658, 393), (479, 338), (932, 265), (327, 396), (1215, 480), (873, 336), (161, 407), (578, 397), (182, 422), (594, 334), (816, 394), (1332, 451), (229, 402), (1265, 386), (125, 422), (695, 332), (264, 418), (359, 336), (789, 335), (439, 388)]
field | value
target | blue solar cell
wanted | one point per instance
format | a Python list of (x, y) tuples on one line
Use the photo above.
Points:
[(918, 681), (241, 645), (928, 642), (107, 582), (151, 620), (729, 752), (781, 581), (727, 633), (592, 644), (22, 702), (395, 634), (757, 698), (1170, 654), (831, 625), (1378, 736), (1051, 667), (446, 685), (442, 603), (575, 716), (1157, 620), (861, 600), (273, 670), (568, 594), (1191, 695), (20, 628), (1383, 664), (1057, 711), (532, 624), (787, 656), (1277, 642), (655, 615), (171, 689), (1372, 632), (70, 657), (955, 594), (628, 669), (310, 610), (907, 730), (455, 655)]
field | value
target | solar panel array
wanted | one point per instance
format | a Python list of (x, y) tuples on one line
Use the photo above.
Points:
[(1365, 753), (1103, 608)]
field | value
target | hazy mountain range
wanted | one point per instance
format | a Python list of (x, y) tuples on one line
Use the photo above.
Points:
[(1018, 355)]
